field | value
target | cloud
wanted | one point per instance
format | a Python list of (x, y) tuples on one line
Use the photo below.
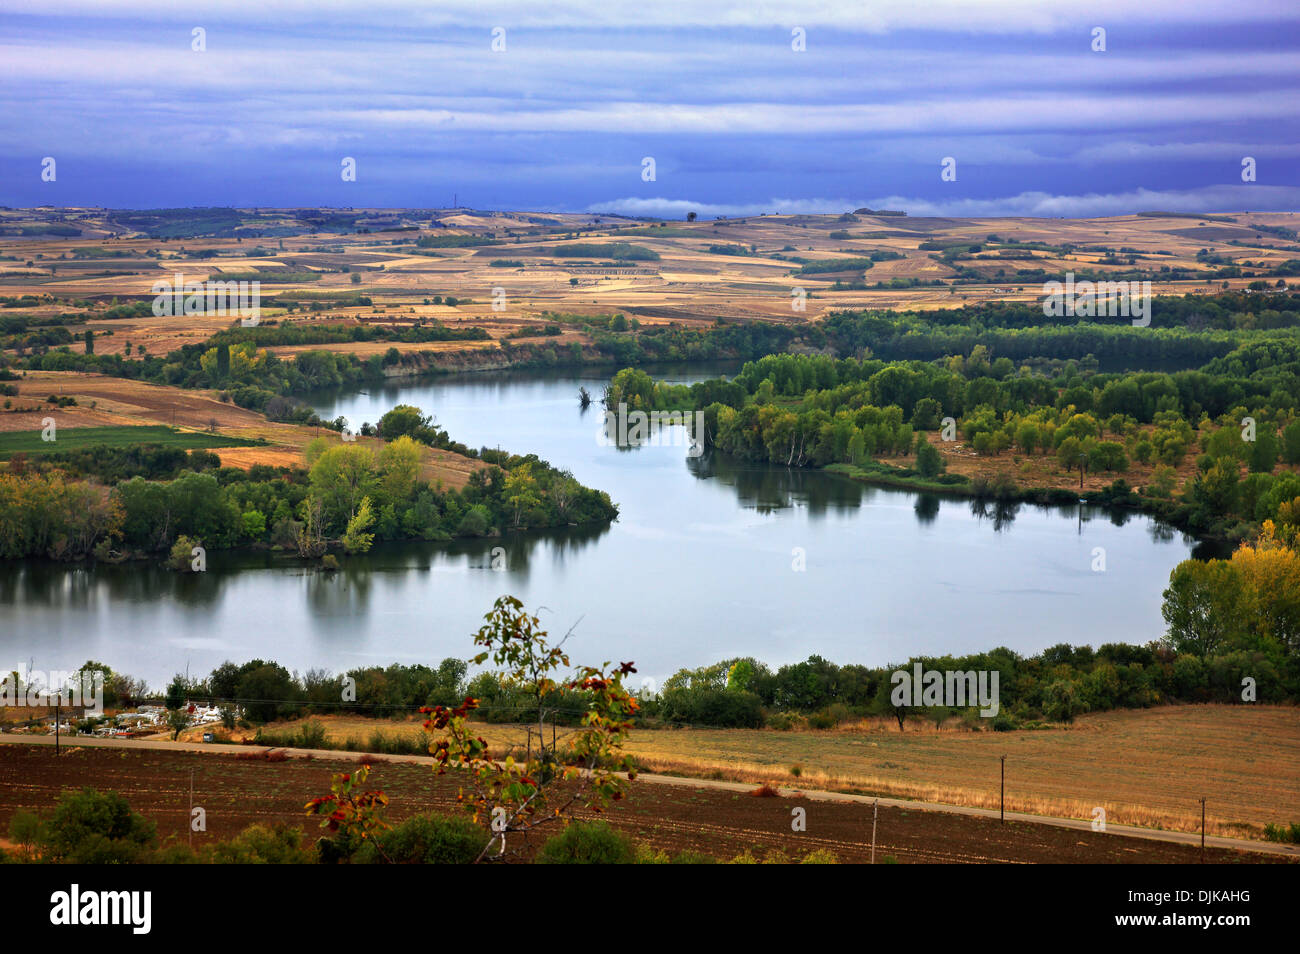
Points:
[(1224, 198), (878, 16)]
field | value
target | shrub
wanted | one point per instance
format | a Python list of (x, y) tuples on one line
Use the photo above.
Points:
[(588, 843), (1283, 833), (262, 845), (821, 856), (311, 735), (475, 523), (427, 840), (182, 554), (783, 721), (689, 857), (92, 827)]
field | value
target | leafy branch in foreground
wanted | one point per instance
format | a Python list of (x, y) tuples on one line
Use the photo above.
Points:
[(352, 815), (517, 795)]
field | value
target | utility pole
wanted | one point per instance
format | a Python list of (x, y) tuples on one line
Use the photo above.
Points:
[(1002, 801), (56, 728), (875, 813)]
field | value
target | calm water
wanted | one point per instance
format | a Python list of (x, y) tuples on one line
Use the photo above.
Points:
[(700, 566)]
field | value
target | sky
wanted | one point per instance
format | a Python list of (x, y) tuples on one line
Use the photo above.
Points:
[(556, 106)]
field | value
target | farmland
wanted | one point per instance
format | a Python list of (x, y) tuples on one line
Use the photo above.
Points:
[(1135, 764), (75, 438), (696, 274), (243, 789)]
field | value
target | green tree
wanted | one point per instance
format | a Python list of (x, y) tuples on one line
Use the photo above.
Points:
[(355, 538), (521, 492), (929, 462), (399, 466), (1203, 607), (178, 721), (342, 477)]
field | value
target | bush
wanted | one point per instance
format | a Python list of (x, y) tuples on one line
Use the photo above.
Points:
[(475, 523), (427, 840), (821, 856), (689, 857), (262, 845), (311, 735), (92, 827), (182, 554), (1283, 833), (588, 843), (742, 710)]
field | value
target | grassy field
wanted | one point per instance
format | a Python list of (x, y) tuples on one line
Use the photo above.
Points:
[(1137, 765), (77, 438)]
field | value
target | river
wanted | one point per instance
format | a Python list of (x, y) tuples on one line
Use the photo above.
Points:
[(710, 558)]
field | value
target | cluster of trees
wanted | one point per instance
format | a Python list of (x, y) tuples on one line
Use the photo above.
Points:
[(252, 377), (264, 690), (272, 335), (1247, 603), (1056, 685), (50, 515), (814, 410), (350, 495)]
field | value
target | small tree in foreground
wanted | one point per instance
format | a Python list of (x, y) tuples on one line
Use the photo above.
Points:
[(518, 796), (351, 815)]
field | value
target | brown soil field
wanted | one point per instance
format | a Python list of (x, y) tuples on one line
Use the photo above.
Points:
[(236, 792), (1137, 765)]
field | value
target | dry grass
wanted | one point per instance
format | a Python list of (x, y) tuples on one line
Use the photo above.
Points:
[(1147, 768)]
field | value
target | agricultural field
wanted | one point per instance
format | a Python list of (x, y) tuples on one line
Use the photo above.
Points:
[(689, 273), (76, 438), (1134, 763), (119, 411), (246, 788)]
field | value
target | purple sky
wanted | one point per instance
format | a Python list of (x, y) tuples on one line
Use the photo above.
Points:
[(736, 120)]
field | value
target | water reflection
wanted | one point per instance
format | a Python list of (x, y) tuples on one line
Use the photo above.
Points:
[(926, 507), (999, 513)]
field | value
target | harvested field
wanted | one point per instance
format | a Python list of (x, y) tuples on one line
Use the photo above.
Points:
[(237, 792), (1135, 764)]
